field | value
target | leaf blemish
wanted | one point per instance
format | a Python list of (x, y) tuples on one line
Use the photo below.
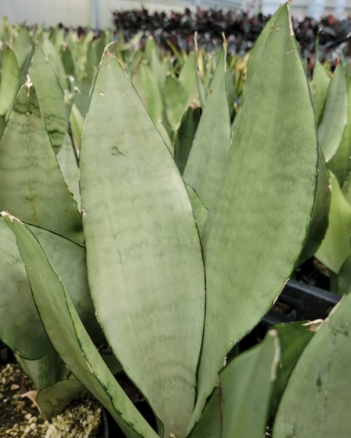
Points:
[(115, 151)]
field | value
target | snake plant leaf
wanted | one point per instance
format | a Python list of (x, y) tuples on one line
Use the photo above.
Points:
[(57, 37), (319, 222), (50, 97), (208, 156), (319, 90), (69, 336), (210, 424), (83, 96), (331, 129), (67, 161), (293, 339), (92, 62), (200, 79), (22, 46), (346, 189), (159, 69), (175, 99), (2, 126), (45, 371), (322, 375), (68, 62), (77, 125), (23, 72), (231, 93), (31, 182), (53, 399), (144, 259), (341, 283), (185, 136), (151, 91), (150, 47), (187, 78), (239, 407), (250, 377), (340, 163), (9, 80), (199, 210), (20, 326), (244, 274), (56, 387), (258, 49), (54, 57), (68, 260), (335, 247)]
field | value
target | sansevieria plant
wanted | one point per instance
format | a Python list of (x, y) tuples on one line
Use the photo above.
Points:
[(169, 270)]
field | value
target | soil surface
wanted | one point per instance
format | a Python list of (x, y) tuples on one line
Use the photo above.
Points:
[(19, 417)]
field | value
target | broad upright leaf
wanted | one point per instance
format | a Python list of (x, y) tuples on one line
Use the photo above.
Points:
[(342, 281), (336, 244), (45, 371), (272, 166), (316, 400), (152, 95), (20, 326), (22, 46), (331, 129), (340, 163), (319, 222), (53, 56), (31, 182), (206, 164), (68, 260), (67, 161), (68, 62), (319, 90), (144, 260), (2, 126), (240, 405), (69, 337), (199, 210), (77, 126), (185, 136), (175, 98), (293, 339), (258, 49), (149, 92), (187, 78), (9, 80), (50, 97), (159, 69)]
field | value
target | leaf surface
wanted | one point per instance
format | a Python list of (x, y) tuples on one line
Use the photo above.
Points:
[(319, 90), (9, 80), (272, 166), (69, 337), (331, 129), (322, 376), (336, 244), (143, 253), (240, 405), (50, 97), (32, 185), (208, 156)]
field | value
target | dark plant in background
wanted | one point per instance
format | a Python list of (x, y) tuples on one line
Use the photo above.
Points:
[(241, 30)]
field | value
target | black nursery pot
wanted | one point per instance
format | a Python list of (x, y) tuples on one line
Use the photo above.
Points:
[(6, 355), (298, 301)]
